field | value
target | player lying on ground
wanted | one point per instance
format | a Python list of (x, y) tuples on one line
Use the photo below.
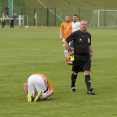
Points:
[(37, 88)]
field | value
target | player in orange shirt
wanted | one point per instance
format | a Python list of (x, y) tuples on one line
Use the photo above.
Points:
[(37, 88), (65, 31)]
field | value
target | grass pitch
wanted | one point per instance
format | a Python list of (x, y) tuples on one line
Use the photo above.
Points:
[(39, 50)]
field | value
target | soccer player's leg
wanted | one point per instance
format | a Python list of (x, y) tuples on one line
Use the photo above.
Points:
[(40, 86), (39, 93), (66, 51), (31, 89), (30, 97)]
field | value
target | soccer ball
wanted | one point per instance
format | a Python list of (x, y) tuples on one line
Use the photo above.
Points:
[(26, 26)]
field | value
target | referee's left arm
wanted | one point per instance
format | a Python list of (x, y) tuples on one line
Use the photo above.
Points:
[(91, 51)]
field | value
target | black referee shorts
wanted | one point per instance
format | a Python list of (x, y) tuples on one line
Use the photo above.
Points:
[(81, 63)]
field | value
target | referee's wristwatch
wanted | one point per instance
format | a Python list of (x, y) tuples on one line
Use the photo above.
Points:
[(69, 50)]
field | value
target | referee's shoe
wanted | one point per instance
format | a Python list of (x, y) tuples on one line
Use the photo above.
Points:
[(90, 92), (73, 89)]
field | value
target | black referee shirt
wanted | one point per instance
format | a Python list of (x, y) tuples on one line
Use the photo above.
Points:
[(82, 41)]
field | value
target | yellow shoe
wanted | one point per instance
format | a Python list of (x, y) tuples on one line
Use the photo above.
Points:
[(37, 96), (29, 99)]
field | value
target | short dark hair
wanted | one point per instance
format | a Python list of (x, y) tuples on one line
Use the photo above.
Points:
[(75, 15)]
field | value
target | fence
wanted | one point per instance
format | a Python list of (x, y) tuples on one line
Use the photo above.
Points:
[(55, 16)]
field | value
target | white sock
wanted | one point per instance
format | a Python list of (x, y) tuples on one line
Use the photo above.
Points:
[(66, 53)]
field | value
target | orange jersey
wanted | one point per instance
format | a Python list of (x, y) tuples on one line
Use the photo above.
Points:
[(66, 28), (48, 82)]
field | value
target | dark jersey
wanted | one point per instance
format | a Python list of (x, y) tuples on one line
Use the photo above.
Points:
[(82, 41), (14, 16), (72, 44)]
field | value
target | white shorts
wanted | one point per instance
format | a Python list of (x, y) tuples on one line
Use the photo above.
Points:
[(37, 83)]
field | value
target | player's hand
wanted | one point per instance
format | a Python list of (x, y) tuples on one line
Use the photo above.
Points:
[(70, 53)]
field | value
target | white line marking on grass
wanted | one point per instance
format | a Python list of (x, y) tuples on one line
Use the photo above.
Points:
[(31, 61), (32, 49), (50, 10)]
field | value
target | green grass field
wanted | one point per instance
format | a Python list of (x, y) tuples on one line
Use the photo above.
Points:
[(39, 50)]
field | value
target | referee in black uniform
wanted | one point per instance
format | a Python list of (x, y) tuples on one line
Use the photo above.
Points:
[(82, 55)]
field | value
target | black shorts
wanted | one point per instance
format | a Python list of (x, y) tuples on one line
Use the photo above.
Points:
[(81, 63)]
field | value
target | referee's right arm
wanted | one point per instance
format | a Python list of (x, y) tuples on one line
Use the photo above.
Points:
[(71, 37), (68, 48)]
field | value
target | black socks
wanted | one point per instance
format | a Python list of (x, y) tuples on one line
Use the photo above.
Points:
[(88, 82), (73, 80)]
